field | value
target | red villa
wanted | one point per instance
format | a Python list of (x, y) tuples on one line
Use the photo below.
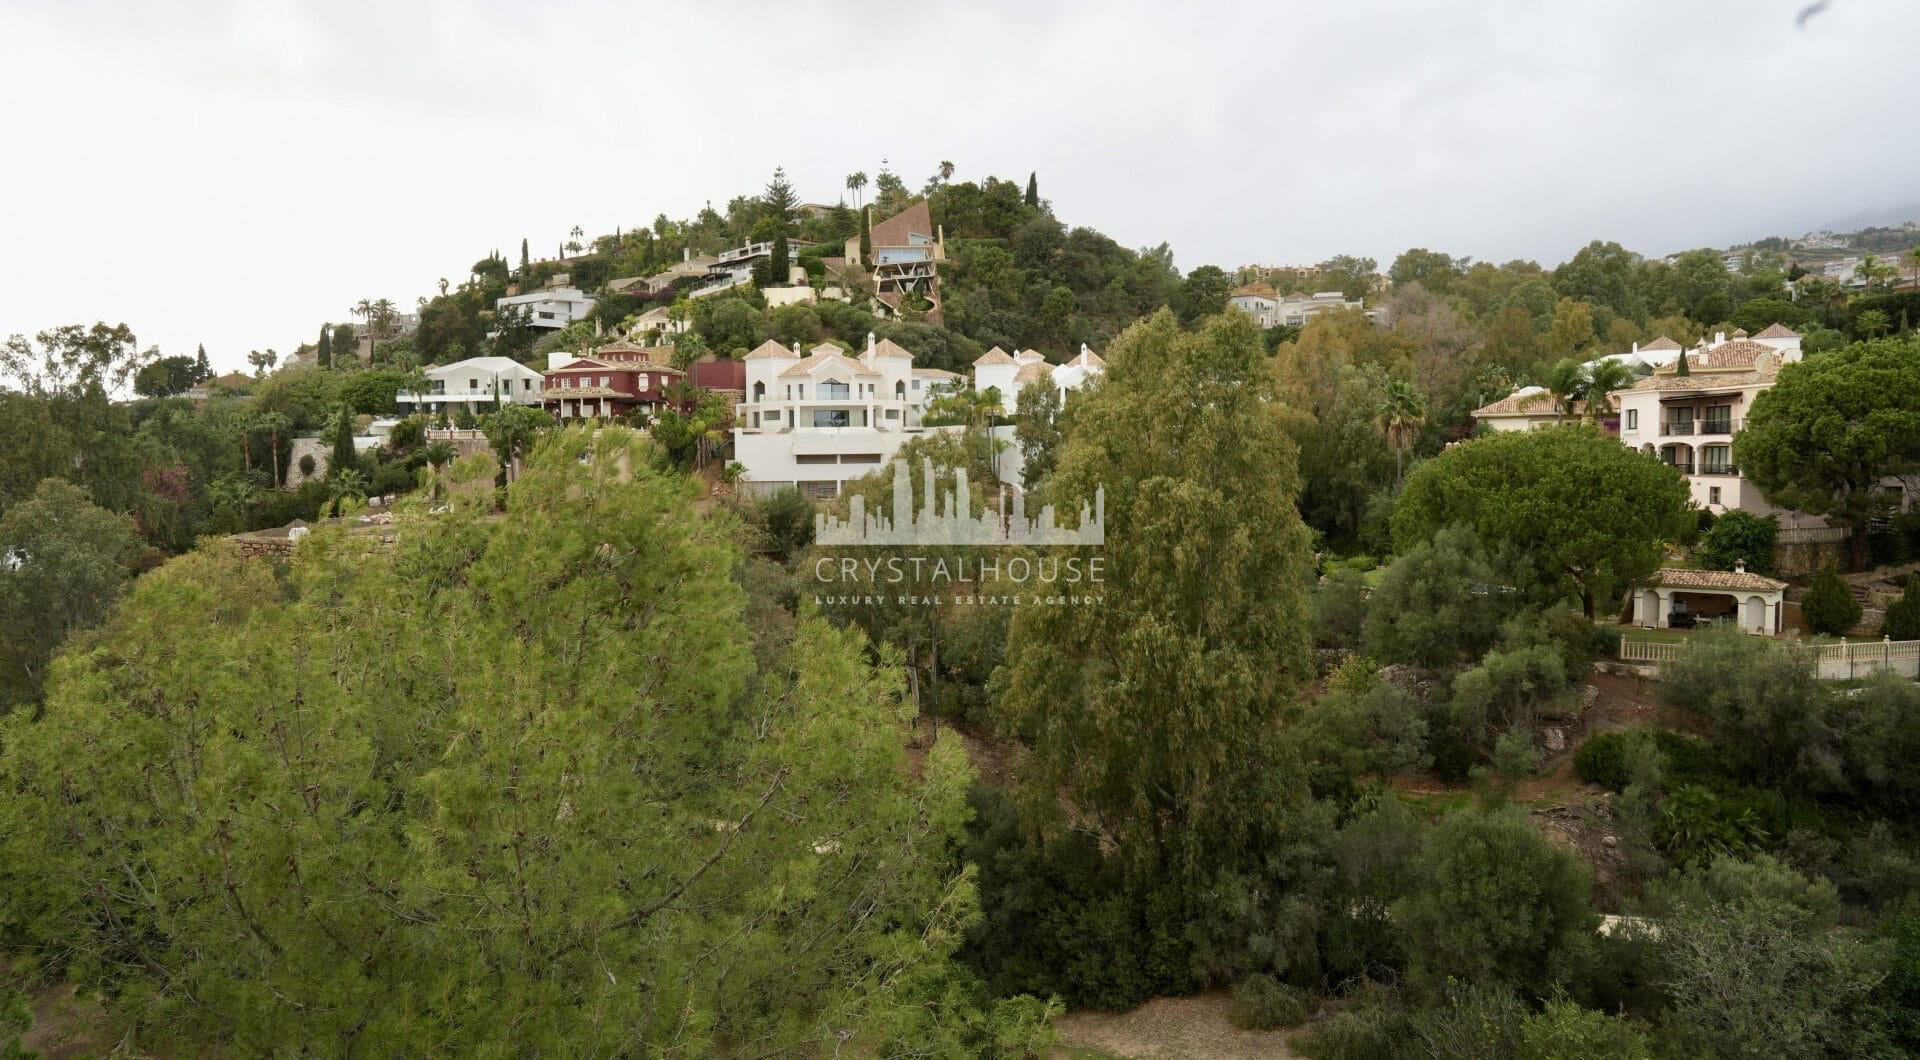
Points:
[(593, 387)]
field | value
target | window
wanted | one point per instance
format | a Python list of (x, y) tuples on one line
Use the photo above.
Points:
[(1719, 420), (820, 491), (1716, 460), (831, 418), (834, 392), (526, 384), (643, 380), (1633, 419), (860, 458), (1713, 495), (893, 414), (916, 384), (473, 384), (566, 383), (813, 458)]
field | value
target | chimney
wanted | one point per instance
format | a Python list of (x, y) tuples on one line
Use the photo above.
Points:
[(1739, 566), (1636, 348), (869, 343), (686, 253), (1719, 337), (796, 347)]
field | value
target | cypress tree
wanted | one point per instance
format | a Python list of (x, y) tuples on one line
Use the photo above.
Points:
[(866, 237), (344, 457), (202, 371), (1680, 366), (1033, 189), (523, 252), (323, 355), (781, 259)]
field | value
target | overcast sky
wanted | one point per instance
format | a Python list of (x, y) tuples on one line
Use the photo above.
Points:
[(234, 174)]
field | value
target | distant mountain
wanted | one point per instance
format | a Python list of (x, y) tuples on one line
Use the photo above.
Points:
[(1877, 217)]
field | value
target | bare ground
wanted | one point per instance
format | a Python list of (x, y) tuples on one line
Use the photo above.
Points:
[(1172, 1028)]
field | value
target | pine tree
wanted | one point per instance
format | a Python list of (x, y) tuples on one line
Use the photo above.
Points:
[(201, 369), (780, 198), (866, 237), (1680, 366), (1033, 189), (323, 353)]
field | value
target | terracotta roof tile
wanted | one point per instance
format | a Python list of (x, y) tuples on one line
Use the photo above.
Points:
[(808, 366), (1527, 401), (1088, 359), (1661, 343), (1256, 289), (771, 350), (994, 356), (889, 348), (1033, 373), (1675, 578), (1778, 331), (1737, 353), (1029, 357)]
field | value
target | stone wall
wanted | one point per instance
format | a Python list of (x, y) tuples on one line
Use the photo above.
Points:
[(1802, 560), (322, 454)]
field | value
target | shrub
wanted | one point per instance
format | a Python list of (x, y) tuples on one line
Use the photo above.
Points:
[(1506, 690), (1493, 899), (1361, 563), (1602, 760), (1261, 1004), (1903, 615), (1605, 758), (1569, 633), (1372, 1026), (1565, 1030), (1829, 607), (1763, 707), (307, 465), (1476, 1021)]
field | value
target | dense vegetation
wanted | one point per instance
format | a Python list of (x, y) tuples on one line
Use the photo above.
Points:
[(586, 761)]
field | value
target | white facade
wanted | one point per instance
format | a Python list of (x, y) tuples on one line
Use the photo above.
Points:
[(1689, 421), (818, 420), (1270, 309), (473, 383), (552, 307), (1011, 373)]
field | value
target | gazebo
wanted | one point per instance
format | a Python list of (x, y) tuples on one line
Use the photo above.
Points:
[(1753, 601)]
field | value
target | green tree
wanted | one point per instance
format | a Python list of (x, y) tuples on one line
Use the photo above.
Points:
[(165, 377), (1033, 190), (1204, 293), (1150, 713), (1872, 323), (1828, 431), (1603, 379), (780, 199), (1751, 965), (1829, 606), (1428, 268), (1038, 431), (1738, 536), (1902, 621), (338, 434), (202, 370), (1589, 514), (1493, 899), (62, 564), (1402, 414), (456, 798), (1567, 382), (323, 352), (1438, 605), (512, 431), (73, 359)]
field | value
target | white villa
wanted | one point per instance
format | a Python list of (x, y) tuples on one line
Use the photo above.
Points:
[(549, 307), (1753, 602), (474, 383), (820, 419), (1270, 309), (1689, 420)]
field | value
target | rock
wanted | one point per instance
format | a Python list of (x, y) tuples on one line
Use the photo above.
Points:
[(1609, 841), (1556, 738), (1589, 695)]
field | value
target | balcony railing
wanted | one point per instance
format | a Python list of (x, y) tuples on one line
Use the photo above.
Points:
[(1719, 469), (1719, 426), (1684, 467), (1669, 429)]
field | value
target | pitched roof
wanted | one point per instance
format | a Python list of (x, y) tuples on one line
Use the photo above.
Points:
[(1034, 372), (771, 350), (620, 346), (1526, 401), (1737, 353), (1029, 357), (233, 380), (826, 348), (1725, 380), (820, 360), (1661, 343), (889, 348), (1088, 359), (583, 364), (994, 356), (936, 373), (893, 231), (1778, 331), (1256, 289), (1675, 578)]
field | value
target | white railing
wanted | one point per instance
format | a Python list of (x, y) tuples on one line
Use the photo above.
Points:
[(1811, 535), (1649, 651)]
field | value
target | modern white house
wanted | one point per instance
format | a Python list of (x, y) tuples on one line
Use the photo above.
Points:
[(549, 307), (1689, 420), (1270, 309), (474, 383), (1012, 373), (819, 419)]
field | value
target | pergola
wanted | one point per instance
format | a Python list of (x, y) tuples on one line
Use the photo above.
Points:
[(1755, 602)]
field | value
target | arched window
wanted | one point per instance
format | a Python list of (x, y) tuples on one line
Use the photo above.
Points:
[(900, 390), (759, 392)]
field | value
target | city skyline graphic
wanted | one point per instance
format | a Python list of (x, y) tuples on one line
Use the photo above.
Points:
[(953, 525)]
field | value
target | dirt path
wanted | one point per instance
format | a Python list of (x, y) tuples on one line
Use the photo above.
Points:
[(1172, 1028)]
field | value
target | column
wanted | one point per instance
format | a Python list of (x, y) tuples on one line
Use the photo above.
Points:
[(1662, 608)]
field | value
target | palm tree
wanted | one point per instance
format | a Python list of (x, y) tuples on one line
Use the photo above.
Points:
[(232, 492), (856, 183), (946, 172), (384, 314), (1402, 413), (1913, 266), (1603, 378), (346, 482), (1567, 382), (273, 423)]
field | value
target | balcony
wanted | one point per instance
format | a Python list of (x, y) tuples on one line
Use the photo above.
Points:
[(1670, 429), (1685, 467), (1719, 469), (1718, 426)]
